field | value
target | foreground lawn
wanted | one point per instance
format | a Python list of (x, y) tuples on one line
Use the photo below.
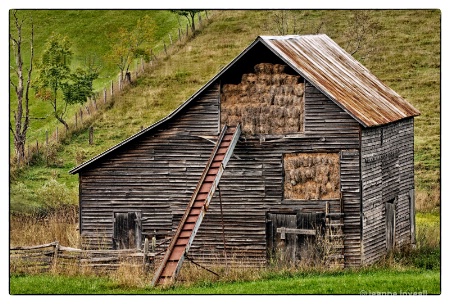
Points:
[(346, 282)]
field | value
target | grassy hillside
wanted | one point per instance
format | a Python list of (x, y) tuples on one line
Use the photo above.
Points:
[(88, 31), (405, 55)]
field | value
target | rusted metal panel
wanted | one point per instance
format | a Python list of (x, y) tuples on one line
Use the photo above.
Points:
[(342, 78)]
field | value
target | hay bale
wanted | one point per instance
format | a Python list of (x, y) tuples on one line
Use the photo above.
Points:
[(277, 100), (242, 88), (224, 116), (276, 80), (249, 78), (260, 88), (233, 100), (278, 68), (263, 68), (251, 90), (288, 89), (264, 79), (230, 89), (245, 99), (299, 89), (267, 98), (297, 100), (290, 79)]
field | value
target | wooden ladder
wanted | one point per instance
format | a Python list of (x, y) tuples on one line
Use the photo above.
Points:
[(197, 207)]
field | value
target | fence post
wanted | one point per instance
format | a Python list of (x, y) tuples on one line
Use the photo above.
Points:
[(91, 135), (179, 34), (81, 117), (144, 260), (199, 20), (46, 147), (104, 95), (37, 146), (165, 49), (170, 38), (55, 254), (112, 88)]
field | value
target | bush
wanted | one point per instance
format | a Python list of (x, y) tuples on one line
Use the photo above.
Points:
[(56, 196)]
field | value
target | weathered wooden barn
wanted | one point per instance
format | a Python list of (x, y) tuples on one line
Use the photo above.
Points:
[(322, 149)]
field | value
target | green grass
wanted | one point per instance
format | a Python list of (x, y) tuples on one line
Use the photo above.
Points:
[(343, 282)]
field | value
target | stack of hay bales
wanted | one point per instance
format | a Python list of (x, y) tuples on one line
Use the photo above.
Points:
[(311, 176), (268, 101)]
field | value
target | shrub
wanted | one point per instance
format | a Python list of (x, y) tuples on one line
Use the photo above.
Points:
[(55, 196)]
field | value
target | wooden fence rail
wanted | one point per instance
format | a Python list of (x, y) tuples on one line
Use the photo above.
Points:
[(106, 95), (45, 257)]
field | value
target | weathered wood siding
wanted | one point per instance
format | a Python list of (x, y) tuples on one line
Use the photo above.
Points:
[(157, 174), (387, 169), (154, 175)]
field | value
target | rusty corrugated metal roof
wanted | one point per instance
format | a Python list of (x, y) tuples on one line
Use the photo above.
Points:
[(342, 78)]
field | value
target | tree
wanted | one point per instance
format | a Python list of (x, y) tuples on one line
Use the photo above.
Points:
[(127, 45), (292, 22), (56, 83), (21, 115), (361, 34), (190, 16)]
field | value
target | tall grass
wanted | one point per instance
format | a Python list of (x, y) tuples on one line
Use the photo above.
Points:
[(42, 228)]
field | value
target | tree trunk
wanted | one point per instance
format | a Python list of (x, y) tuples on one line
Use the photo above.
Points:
[(193, 23), (21, 123), (61, 120), (19, 147)]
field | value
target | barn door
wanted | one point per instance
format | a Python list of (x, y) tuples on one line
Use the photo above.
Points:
[(390, 224), (127, 230), (281, 247), (289, 236)]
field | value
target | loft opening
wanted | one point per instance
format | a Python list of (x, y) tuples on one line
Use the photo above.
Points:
[(265, 95)]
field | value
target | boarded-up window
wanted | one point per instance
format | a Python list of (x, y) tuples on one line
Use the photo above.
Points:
[(311, 176), (268, 101)]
